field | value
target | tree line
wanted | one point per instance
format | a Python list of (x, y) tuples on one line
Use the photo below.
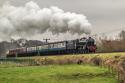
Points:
[(110, 45)]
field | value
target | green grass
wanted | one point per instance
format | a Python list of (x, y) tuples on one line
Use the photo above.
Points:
[(10, 73), (56, 74)]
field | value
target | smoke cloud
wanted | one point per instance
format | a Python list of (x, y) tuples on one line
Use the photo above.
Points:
[(31, 19)]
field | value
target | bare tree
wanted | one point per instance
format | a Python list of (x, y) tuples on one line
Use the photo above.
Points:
[(122, 35)]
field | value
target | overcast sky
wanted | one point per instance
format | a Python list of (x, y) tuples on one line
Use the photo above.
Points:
[(104, 15)]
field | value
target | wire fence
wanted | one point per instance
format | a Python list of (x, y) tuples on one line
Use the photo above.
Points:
[(18, 62)]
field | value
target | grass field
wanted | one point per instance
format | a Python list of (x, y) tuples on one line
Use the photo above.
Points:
[(56, 69), (56, 74)]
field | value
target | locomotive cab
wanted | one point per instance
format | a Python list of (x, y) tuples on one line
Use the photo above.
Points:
[(91, 46), (81, 45)]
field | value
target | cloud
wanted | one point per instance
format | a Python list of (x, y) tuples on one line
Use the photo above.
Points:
[(31, 19)]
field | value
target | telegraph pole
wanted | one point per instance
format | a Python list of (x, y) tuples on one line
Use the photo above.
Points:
[(46, 40)]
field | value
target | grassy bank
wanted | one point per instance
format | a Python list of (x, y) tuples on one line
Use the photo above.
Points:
[(56, 74), (58, 60)]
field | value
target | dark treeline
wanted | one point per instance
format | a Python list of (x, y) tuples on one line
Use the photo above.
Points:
[(117, 45)]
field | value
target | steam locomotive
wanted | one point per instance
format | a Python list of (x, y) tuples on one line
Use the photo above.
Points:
[(77, 46)]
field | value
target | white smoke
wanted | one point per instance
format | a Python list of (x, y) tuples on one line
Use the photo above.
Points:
[(31, 19)]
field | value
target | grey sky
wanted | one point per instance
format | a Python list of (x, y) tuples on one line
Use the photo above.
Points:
[(104, 15)]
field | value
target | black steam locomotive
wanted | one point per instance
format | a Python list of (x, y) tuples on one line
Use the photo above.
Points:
[(77, 46)]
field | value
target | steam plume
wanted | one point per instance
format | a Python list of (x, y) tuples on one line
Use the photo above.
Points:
[(31, 19)]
